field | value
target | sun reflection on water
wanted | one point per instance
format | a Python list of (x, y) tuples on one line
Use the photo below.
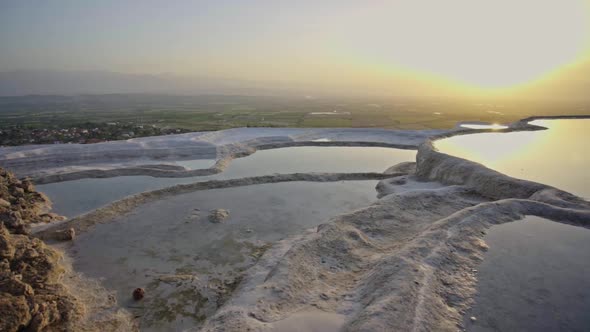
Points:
[(493, 126), (558, 157)]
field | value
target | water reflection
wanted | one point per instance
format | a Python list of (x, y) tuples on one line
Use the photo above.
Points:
[(195, 163), (173, 237), (535, 277), (318, 159), (558, 157), (72, 198), (494, 126)]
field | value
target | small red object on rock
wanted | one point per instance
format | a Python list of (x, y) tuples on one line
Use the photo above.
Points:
[(138, 294)]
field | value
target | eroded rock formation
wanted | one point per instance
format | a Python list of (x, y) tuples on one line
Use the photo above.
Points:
[(31, 296)]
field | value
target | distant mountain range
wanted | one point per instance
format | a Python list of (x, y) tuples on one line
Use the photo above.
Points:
[(42, 82), (572, 85)]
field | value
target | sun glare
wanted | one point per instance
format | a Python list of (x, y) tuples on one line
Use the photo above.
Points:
[(490, 44), (493, 126)]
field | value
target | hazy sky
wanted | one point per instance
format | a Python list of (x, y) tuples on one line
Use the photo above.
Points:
[(477, 43)]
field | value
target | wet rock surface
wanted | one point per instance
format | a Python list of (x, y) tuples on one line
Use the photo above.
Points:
[(21, 205)]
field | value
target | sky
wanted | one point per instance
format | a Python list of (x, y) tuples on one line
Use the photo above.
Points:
[(468, 45)]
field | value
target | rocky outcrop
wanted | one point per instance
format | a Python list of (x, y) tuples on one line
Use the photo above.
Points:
[(21, 205), (31, 296), (218, 216)]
